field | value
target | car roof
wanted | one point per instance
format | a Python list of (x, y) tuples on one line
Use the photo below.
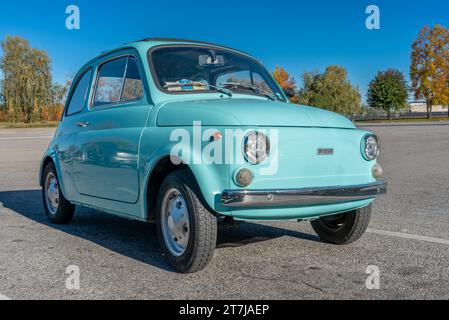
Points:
[(149, 43), (153, 42), (187, 41)]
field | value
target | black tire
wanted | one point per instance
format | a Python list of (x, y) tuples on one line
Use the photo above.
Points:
[(65, 210), (202, 230), (343, 228)]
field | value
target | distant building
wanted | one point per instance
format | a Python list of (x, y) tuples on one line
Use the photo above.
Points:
[(421, 107)]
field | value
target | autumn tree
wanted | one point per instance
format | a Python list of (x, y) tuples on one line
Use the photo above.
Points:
[(58, 93), (429, 69), (330, 90), (54, 110), (26, 87), (284, 79), (388, 91)]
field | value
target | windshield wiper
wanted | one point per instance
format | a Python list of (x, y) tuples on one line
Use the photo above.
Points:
[(196, 83), (252, 87)]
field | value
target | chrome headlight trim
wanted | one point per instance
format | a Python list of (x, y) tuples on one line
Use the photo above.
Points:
[(370, 156), (256, 158)]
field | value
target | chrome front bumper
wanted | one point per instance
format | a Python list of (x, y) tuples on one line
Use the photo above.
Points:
[(301, 197)]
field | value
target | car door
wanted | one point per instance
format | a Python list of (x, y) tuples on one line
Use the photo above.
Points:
[(69, 128), (107, 161)]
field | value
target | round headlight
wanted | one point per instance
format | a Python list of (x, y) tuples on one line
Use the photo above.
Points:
[(256, 147), (370, 147)]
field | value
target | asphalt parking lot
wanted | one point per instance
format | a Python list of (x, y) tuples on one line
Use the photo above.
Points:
[(408, 239)]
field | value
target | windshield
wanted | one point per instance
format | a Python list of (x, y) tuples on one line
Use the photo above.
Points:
[(192, 69)]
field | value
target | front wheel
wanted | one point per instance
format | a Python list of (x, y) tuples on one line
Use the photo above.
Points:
[(345, 228), (187, 230)]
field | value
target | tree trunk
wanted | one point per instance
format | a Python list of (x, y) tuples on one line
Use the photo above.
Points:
[(28, 117), (429, 110), (389, 115)]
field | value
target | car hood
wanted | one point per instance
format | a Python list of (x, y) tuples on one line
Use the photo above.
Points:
[(247, 112)]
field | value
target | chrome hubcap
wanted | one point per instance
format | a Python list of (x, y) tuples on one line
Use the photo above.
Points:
[(175, 222), (52, 193)]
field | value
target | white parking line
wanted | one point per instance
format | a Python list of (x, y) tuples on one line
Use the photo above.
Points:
[(26, 138), (3, 297), (408, 236)]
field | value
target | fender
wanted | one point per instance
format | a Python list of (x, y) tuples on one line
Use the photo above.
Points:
[(211, 179)]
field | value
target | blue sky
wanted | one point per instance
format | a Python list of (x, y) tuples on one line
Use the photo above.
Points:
[(298, 35)]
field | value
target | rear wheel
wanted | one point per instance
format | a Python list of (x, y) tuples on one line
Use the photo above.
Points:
[(343, 228), (57, 208), (187, 230)]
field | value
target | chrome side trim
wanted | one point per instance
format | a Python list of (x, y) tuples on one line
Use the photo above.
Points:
[(307, 196)]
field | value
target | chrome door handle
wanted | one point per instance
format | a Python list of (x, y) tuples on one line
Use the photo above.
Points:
[(83, 124)]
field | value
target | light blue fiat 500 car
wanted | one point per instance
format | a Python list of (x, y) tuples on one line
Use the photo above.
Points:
[(185, 134)]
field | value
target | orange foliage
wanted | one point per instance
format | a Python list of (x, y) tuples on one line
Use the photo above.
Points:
[(430, 66), (52, 113), (285, 80), (3, 116)]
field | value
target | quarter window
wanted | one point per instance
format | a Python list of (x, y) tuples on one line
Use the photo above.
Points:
[(79, 95), (110, 82), (133, 89), (119, 80)]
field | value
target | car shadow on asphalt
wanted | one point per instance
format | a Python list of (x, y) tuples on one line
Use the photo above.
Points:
[(134, 239)]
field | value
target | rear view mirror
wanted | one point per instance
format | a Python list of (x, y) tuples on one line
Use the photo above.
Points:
[(289, 92), (211, 61)]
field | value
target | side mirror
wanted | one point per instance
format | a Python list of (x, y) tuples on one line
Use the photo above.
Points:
[(289, 92)]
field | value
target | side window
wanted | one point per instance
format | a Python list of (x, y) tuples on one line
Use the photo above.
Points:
[(133, 89), (110, 82), (79, 95)]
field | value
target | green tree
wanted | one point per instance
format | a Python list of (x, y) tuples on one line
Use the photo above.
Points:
[(388, 91), (330, 90), (429, 68), (26, 86)]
